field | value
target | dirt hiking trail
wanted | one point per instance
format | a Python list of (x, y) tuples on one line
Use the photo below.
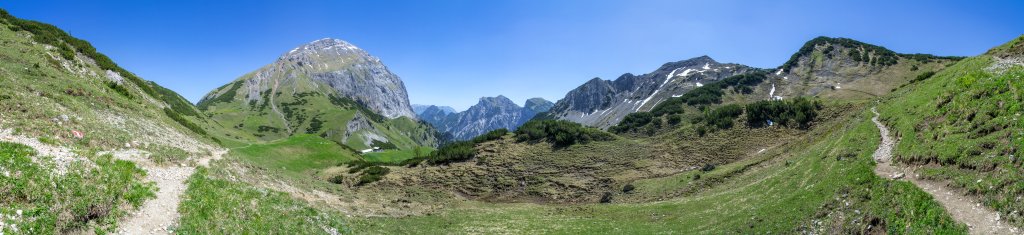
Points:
[(964, 209)]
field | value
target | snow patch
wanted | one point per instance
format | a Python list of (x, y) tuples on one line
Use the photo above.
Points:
[(778, 72), (706, 66), (699, 85), (667, 79), (771, 93), (688, 71)]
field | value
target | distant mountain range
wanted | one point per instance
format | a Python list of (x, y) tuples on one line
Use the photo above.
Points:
[(490, 113), (824, 66), (419, 108), (603, 103)]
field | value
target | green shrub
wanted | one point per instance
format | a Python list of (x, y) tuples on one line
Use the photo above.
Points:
[(118, 88), (489, 136), (923, 76), (453, 152), (606, 197), (708, 167), (633, 121), (797, 113), (315, 125), (337, 179), (722, 117), (372, 174), (560, 133)]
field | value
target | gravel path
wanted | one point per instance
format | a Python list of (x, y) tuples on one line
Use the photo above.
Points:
[(967, 210), (157, 215)]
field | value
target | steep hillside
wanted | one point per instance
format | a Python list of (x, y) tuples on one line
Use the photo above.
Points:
[(490, 113), (56, 84), (962, 125), (327, 87), (848, 69), (83, 142), (602, 103)]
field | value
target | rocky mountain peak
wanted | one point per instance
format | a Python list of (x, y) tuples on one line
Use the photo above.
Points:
[(603, 103), (538, 105), (325, 45), (497, 101)]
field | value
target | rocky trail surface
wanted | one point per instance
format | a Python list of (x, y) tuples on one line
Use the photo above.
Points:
[(965, 209), (160, 213)]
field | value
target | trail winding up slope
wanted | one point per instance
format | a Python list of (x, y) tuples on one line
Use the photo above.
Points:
[(967, 210)]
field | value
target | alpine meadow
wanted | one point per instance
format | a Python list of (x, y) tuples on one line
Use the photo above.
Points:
[(312, 134)]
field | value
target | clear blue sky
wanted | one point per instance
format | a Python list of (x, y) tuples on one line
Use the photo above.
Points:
[(453, 52)]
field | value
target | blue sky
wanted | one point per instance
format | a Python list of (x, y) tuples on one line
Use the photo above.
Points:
[(453, 52)]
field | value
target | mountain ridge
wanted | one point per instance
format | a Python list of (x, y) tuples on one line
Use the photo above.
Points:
[(490, 113)]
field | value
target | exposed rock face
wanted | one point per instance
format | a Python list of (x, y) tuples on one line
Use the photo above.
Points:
[(330, 64), (489, 114), (360, 124), (602, 103)]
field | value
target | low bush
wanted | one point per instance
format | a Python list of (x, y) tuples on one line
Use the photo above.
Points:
[(118, 88), (489, 136), (722, 117), (560, 133), (798, 112), (453, 152), (372, 174)]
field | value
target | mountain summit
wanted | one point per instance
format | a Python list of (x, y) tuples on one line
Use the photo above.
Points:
[(351, 72), (328, 87)]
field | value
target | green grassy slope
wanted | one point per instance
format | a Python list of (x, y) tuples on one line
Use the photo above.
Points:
[(963, 125), (36, 199), (217, 206), (54, 84), (300, 154)]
